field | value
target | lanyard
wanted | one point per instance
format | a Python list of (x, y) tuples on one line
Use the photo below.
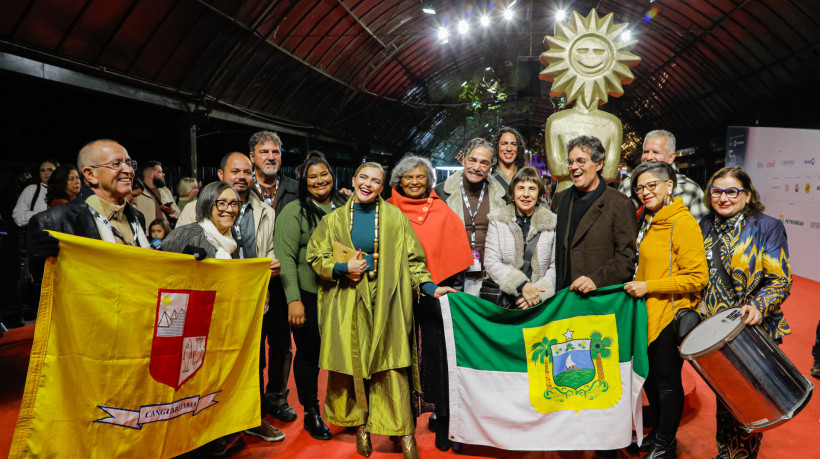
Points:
[(470, 210), (271, 200), (237, 229), (115, 231)]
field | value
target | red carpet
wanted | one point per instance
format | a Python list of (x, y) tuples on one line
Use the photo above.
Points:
[(796, 439)]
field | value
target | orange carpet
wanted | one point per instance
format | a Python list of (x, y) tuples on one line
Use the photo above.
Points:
[(797, 438)]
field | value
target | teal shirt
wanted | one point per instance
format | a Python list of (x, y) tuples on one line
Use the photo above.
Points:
[(290, 239)]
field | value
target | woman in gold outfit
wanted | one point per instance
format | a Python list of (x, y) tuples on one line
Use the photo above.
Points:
[(366, 312)]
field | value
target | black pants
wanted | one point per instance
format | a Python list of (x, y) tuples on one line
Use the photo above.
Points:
[(280, 355), (664, 388), (306, 359)]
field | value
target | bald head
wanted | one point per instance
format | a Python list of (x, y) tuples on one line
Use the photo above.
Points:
[(107, 169), (236, 169), (92, 152)]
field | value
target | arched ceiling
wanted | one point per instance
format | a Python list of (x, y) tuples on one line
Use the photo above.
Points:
[(374, 72)]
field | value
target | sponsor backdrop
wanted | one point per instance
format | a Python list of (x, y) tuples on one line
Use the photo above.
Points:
[(785, 168)]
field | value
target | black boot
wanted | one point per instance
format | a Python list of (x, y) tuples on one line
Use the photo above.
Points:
[(649, 441), (664, 448), (315, 425), (443, 433)]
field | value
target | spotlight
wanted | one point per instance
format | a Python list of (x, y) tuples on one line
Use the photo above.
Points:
[(508, 14), (463, 27), (560, 15), (428, 8), (443, 34), (484, 21), (626, 36)]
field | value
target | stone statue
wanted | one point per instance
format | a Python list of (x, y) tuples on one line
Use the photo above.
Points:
[(587, 61)]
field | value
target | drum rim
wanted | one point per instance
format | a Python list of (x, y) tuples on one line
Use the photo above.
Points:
[(719, 344)]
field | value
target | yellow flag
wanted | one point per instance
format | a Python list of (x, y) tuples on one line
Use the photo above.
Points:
[(141, 353)]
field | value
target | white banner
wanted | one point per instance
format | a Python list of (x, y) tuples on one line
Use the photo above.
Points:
[(784, 165)]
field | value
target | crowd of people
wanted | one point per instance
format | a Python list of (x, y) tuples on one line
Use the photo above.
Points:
[(356, 278)]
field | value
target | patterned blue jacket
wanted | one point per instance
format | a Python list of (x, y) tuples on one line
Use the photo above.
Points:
[(760, 271)]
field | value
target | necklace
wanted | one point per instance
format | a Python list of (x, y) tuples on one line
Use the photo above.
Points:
[(371, 274)]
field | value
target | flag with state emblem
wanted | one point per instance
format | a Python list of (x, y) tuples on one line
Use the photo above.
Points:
[(140, 353), (563, 375)]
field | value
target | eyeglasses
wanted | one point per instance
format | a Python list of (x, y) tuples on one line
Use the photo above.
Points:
[(581, 162), (731, 192), (649, 186), (117, 164), (222, 205)]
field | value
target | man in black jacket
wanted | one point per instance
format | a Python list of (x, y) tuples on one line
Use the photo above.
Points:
[(100, 211)]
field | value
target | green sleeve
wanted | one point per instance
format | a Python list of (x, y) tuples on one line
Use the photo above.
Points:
[(286, 242), (320, 250)]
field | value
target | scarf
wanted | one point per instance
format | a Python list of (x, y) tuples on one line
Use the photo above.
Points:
[(225, 245)]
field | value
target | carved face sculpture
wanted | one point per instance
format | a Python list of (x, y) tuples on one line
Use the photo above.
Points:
[(591, 56)]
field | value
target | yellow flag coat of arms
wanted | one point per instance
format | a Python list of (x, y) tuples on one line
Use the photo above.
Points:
[(141, 353), (563, 375)]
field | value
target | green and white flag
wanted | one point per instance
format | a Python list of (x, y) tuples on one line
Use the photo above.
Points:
[(563, 375)]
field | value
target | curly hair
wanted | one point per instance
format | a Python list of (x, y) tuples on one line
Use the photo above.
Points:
[(521, 154)]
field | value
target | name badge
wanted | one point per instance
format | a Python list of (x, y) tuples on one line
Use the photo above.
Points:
[(476, 266)]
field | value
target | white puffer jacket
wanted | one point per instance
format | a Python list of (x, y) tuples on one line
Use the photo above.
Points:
[(504, 250)]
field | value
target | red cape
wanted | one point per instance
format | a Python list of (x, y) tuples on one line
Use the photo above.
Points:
[(440, 231)]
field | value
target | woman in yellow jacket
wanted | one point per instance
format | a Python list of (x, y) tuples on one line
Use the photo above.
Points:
[(671, 273)]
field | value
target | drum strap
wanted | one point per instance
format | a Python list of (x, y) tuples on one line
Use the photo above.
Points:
[(717, 259)]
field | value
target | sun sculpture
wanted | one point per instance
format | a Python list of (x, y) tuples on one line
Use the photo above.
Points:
[(587, 62)]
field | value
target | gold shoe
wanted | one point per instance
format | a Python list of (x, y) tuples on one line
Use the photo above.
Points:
[(408, 447), (363, 445)]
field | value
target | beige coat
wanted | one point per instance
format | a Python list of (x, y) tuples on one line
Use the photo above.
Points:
[(146, 204)]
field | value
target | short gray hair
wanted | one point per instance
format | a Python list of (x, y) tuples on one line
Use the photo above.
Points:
[(670, 139), (207, 198), (407, 164), (262, 137), (481, 142), (588, 144)]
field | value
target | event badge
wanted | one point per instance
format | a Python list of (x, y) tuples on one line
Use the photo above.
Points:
[(476, 266)]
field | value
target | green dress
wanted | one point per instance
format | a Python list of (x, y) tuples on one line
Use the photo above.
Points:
[(366, 325)]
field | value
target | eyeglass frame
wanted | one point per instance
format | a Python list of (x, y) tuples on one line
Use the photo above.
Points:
[(569, 162), (639, 189), (235, 204), (722, 191), (110, 165)]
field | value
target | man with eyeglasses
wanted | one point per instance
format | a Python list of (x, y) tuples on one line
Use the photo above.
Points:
[(596, 229), (156, 201), (100, 210), (472, 194), (253, 232), (659, 145)]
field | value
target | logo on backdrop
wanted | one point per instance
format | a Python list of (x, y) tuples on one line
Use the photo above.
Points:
[(809, 161), (787, 162), (180, 334)]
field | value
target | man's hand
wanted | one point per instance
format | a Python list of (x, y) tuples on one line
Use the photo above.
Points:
[(636, 288), (45, 244), (296, 314), (166, 208), (441, 291), (275, 266), (583, 284), (755, 316)]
